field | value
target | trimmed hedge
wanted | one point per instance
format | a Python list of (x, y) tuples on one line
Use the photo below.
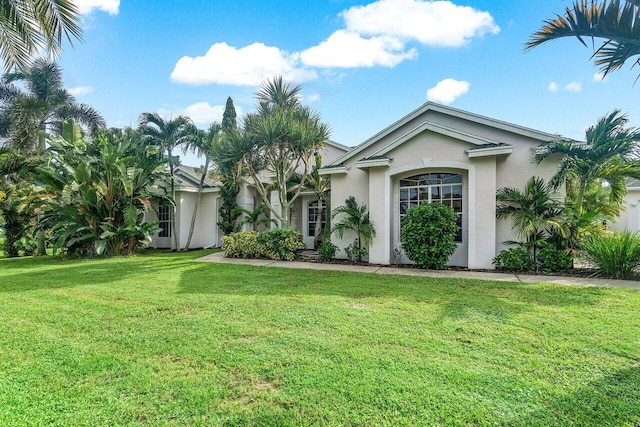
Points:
[(428, 234), (277, 244)]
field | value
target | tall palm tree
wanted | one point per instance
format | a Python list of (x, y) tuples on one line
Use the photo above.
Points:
[(42, 107), (355, 218), (27, 26), (536, 213), (168, 134), (202, 143), (609, 155), (284, 135), (617, 23)]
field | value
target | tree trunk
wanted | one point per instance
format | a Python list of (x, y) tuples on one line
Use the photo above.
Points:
[(176, 238), (197, 203)]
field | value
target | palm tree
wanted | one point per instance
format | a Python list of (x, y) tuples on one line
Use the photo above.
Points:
[(203, 144), (257, 217), (355, 218), (618, 24), (609, 155), (26, 115), (283, 136), (27, 26), (168, 134), (536, 214)]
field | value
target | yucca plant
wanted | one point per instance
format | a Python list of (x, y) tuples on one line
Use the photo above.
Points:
[(616, 255)]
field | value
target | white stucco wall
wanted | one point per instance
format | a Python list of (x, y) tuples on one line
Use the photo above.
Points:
[(431, 151), (629, 219)]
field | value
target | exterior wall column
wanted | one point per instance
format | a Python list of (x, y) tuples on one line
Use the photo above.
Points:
[(379, 212), (245, 200), (482, 213)]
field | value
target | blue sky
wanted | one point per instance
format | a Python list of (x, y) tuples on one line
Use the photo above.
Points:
[(362, 64)]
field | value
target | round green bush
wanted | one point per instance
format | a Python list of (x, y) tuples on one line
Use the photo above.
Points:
[(514, 259), (428, 234)]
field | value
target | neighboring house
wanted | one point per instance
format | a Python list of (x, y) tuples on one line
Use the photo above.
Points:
[(439, 153), (629, 218), (206, 231)]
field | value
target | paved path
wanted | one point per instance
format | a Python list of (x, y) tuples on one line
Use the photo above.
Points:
[(218, 257)]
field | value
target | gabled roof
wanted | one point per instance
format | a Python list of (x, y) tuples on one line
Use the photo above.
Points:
[(188, 177), (435, 127)]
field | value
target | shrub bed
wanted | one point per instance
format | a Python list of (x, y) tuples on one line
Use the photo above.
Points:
[(277, 244)]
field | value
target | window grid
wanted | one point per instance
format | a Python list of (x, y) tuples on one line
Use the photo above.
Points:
[(164, 219), (442, 188), (312, 217)]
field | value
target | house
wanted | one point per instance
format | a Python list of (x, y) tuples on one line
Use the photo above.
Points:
[(443, 154), (206, 231), (629, 218)]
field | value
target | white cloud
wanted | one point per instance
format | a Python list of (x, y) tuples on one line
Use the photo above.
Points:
[(247, 66), (600, 77), (447, 91), (87, 6), (573, 87), (346, 49), (435, 23), (202, 113), (553, 87), (313, 97), (80, 90)]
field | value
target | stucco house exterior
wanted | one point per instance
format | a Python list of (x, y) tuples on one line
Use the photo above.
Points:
[(206, 232), (435, 153), (629, 218), (439, 153)]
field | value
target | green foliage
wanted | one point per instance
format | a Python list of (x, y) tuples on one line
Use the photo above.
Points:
[(281, 243), (242, 244), (276, 244), (550, 259), (257, 217), (356, 252), (616, 255), (327, 251), (428, 234), (514, 259), (97, 192), (536, 214), (354, 218), (229, 210)]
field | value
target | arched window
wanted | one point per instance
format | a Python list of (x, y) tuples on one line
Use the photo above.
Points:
[(445, 188)]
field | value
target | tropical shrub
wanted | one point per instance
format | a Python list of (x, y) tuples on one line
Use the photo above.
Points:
[(242, 244), (327, 251), (551, 259), (355, 252), (514, 259), (96, 192), (428, 234), (616, 255), (354, 218), (280, 243)]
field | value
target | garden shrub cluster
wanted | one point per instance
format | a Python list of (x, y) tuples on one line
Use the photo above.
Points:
[(428, 234), (327, 251), (277, 244), (548, 259)]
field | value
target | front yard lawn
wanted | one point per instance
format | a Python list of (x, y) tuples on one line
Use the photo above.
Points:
[(158, 340)]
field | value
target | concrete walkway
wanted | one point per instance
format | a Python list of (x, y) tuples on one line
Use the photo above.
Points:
[(218, 257)]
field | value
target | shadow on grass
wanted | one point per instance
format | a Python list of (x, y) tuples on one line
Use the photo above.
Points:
[(613, 400), (32, 273), (456, 293)]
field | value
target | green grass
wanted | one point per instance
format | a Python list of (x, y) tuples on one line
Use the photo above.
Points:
[(159, 340)]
